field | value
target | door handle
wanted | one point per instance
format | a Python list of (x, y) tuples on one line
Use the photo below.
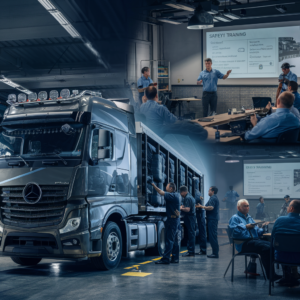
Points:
[(112, 187)]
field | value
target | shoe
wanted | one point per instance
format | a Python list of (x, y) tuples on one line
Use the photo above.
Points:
[(188, 254), (251, 269), (162, 262), (213, 256), (174, 261), (201, 253)]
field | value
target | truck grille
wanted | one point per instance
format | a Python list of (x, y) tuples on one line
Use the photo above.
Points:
[(47, 212)]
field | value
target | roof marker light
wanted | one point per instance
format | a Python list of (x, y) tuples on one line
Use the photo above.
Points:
[(65, 93), (22, 97), (53, 95), (32, 97), (42, 96)]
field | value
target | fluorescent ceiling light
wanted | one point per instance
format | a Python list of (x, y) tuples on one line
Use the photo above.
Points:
[(7, 81), (166, 20), (180, 6), (221, 18), (47, 4), (230, 160), (60, 18), (215, 20), (281, 8), (227, 13), (281, 156)]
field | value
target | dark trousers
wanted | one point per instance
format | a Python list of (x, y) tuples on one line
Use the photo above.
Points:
[(262, 248), (190, 224), (209, 99), (173, 239), (232, 209), (200, 215), (212, 227)]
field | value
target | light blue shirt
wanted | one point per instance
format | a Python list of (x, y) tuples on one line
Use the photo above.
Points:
[(297, 100), (231, 196), (260, 207), (210, 79), (289, 224), (295, 112), (272, 125), (157, 115), (237, 225), (290, 76), (143, 83)]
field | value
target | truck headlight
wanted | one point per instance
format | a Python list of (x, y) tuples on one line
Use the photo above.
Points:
[(72, 225)]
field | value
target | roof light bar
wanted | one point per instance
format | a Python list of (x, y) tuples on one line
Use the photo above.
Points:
[(180, 6), (7, 81), (165, 20)]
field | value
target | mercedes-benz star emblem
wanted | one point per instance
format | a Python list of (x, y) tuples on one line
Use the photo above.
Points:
[(32, 193)]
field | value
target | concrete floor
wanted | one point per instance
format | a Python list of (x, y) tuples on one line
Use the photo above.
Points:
[(193, 278)]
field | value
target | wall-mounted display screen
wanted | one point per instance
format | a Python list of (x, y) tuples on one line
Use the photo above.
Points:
[(254, 53), (272, 180)]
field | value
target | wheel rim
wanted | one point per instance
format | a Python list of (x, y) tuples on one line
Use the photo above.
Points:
[(162, 240), (112, 246)]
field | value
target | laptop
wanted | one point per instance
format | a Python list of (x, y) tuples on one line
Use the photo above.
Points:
[(261, 102)]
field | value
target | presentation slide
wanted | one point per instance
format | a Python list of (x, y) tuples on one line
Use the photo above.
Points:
[(272, 180), (254, 53)]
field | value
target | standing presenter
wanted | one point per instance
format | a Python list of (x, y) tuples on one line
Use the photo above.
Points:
[(209, 77)]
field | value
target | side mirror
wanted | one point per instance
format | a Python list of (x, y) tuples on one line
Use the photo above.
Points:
[(104, 144)]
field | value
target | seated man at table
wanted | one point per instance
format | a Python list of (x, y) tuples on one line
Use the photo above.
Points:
[(163, 122), (242, 227), (293, 88), (289, 224), (274, 124)]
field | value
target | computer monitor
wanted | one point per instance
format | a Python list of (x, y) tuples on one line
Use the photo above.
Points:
[(259, 102)]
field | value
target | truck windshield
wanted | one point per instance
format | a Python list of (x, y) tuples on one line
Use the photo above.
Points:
[(31, 140)]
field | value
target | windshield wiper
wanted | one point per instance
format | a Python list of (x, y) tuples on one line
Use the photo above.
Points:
[(52, 153), (16, 155)]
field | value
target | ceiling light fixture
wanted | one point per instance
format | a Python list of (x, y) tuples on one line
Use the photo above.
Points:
[(170, 21), (16, 86), (180, 6), (228, 13), (61, 19), (281, 8), (201, 19), (220, 17), (230, 160)]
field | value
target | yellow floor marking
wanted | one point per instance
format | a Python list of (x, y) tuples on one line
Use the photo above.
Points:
[(183, 251), (132, 267), (157, 258), (145, 262), (136, 274)]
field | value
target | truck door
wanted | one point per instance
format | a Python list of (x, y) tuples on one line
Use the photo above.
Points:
[(101, 174), (121, 179)]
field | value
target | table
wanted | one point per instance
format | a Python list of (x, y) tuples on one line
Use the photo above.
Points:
[(211, 136), (181, 100), (268, 236)]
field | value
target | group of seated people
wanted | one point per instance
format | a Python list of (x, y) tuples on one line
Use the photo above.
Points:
[(242, 227), (285, 118)]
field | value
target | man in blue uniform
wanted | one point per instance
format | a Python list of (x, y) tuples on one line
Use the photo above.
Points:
[(274, 124), (143, 82), (231, 200), (260, 209), (200, 216), (289, 224), (172, 225), (293, 88), (209, 77), (212, 217), (188, 212), (286, 74), (243, 227), (285, 205)]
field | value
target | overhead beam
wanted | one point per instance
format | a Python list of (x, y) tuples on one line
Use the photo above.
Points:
[(14, 61)]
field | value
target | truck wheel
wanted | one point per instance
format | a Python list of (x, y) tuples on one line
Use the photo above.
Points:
[(159, 248), (111, 248), (25, 261)]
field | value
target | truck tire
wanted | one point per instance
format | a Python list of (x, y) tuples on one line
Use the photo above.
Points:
[(25, 261), (111, 248), (160, 246)]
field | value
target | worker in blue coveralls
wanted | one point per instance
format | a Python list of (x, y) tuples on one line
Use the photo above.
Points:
[(231, 198), (143, 82), (172, 225), (188, 212), (200, 216), (212, 217), (289, 224), (209, 77)]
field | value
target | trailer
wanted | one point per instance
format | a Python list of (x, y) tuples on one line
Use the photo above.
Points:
[(73, 180)]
